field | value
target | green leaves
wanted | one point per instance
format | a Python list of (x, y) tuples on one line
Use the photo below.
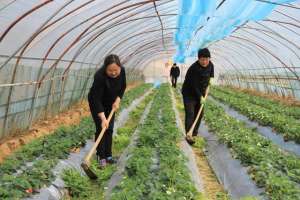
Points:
[(281, 188), (272, 105), (48, 150), (133, 94), (81, 187), (156, 169), (78, 184), (269, 166), (262, 112)]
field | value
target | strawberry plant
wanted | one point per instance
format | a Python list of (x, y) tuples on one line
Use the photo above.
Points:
[(272, 105), (268, 165), (156, 169), (263, 159), (29, 168), (81, 187), (134, 93), (287, 126), (78, 183)]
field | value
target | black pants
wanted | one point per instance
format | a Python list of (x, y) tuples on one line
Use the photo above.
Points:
[(174, 81), (105, 145), (191, 108)]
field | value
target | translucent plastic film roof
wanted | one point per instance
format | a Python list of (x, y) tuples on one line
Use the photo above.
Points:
[(241, 33), (49, 49), (85, 30)]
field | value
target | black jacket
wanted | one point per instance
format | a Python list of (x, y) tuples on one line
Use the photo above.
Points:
[(105, 90), (175, 71), (196, 80)]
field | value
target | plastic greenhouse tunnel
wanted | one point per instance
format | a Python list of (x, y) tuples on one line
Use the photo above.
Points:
[(150, 99)]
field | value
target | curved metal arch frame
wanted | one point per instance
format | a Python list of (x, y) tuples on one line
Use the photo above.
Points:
[(243, 39), (100, 52), (166, 28), (15, 67), (62, 85)]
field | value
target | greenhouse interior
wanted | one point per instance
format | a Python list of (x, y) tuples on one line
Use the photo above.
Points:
[(150, 99)]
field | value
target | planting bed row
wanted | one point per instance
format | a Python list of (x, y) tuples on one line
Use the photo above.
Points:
[(268, 165), (232, 176), (29, 168), (272, 105), (156, 168), (289, 127), (80, 186)]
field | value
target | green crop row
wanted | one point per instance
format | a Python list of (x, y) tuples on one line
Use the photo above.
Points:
[(18, 179), (200, 143), (289, 127), (156, 169), (268, 165), (81, 187), (134, 93), (272, 105)]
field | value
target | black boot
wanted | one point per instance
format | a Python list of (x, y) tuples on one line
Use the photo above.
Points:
[(190, 139)]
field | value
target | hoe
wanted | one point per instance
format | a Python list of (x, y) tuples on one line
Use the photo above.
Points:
[(87, 160)]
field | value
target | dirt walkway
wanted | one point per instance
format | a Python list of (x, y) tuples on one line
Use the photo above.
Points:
[(212, 188), (46, 126), (43, 127), (288, 100)]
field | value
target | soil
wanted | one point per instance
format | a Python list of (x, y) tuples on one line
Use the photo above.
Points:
[(210, 182), (211, 185), (40, 128), (43, 127), (288, 100)]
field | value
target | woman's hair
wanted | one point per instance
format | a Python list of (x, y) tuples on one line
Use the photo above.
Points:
[(110, 59)]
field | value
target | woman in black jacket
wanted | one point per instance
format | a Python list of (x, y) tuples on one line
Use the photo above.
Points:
[(106, 93)]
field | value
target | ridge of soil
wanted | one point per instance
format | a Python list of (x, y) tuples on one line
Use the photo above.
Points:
[(43, 127), (46, 126), (287, 100), (211, 185)]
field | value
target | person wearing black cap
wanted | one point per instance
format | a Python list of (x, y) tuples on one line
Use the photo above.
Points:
[(197, 79), (106, 93), (174, 74)]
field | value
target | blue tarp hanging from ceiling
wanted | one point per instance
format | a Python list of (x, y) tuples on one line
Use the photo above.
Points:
[(201, 22)]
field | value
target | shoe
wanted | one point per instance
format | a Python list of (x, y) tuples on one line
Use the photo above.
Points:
[(195, 134), (98, 158), (111, 160), (190, 140), (102, 163)]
